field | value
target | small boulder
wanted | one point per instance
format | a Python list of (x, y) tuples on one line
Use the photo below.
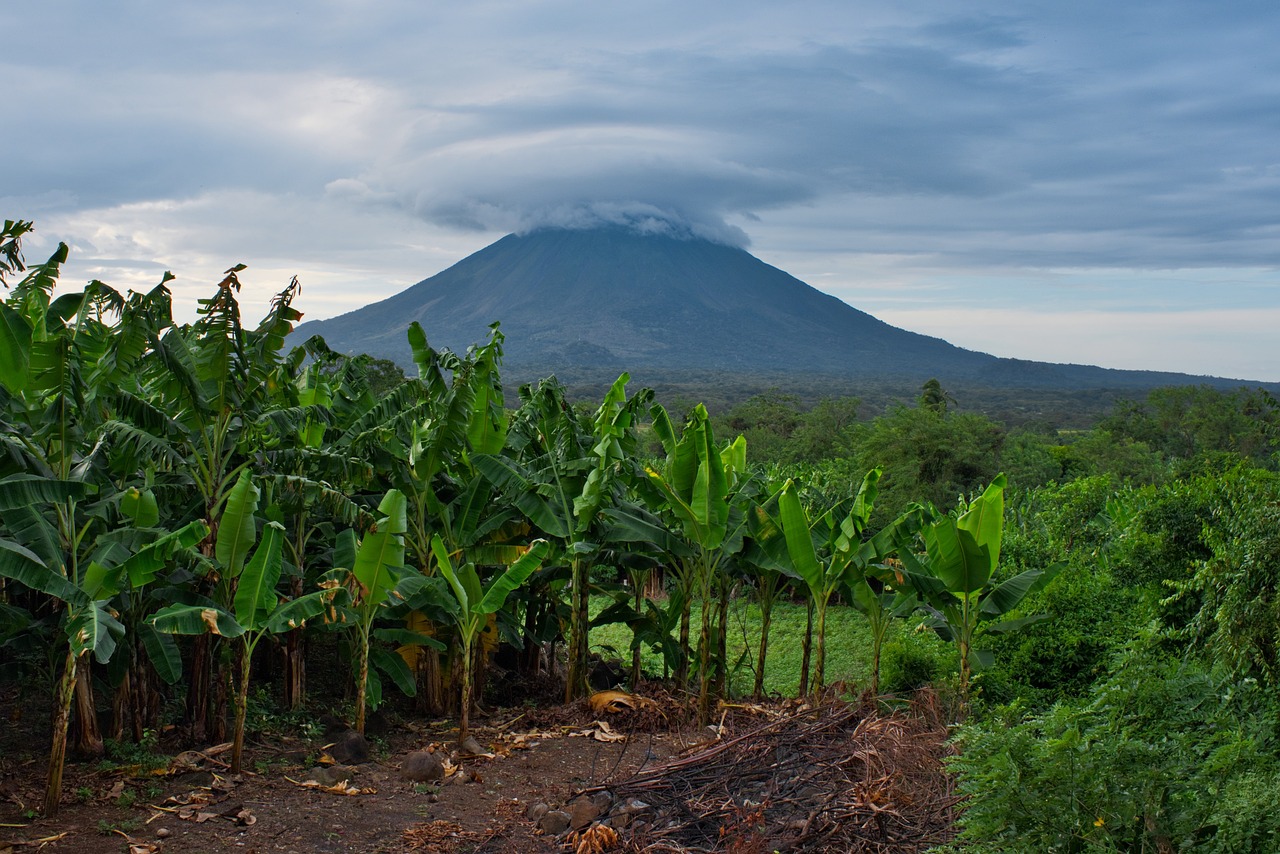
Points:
[(535, 812), (554, 822), (470, 746), (422, 766), (351, 748), (331, 775), (582, 812)]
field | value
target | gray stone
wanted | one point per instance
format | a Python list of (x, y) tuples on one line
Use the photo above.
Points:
[(603, 800), (471, 746), (536, 811), (422, 766), (554, 822), (351, 748), (194, 779), (582, 812), (329, 775)]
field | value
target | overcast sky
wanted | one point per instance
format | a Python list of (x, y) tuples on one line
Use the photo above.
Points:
[(1090, 182)]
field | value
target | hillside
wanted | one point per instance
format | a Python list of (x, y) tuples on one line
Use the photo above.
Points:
[(689, 314)]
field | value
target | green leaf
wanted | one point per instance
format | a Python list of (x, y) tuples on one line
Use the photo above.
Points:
[(92, 628), (25, 567), (407, 637), (15, 350), (795, 527), (294, 613), (514, 480), (956, 558), (394, 666), (149, 560), (23, 490), (140, 506), (255, 597), (237, 530), (196, 620), (502, 587), (163, 653), (985, 519), (344, 550)]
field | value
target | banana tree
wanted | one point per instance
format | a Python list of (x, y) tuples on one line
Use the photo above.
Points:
[(842, 549), (257, 610), (208, 385), (955, 576), (561, 476), (474, 604), (374, 572), (61, 364), (699, 487)]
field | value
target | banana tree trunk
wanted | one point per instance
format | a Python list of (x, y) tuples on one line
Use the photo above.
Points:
[(766, 619), (198, 690), (88, 737), (58, 750), (805, 651), (820, 666), (362, 681), (576, 685), (704, 664), (464, 708), (638, 581), (682, 669), (242, 705), (121, 701), (721, 632), (295, 664)]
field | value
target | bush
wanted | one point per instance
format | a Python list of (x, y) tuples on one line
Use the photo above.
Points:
[(1148, 762), (913, 659)]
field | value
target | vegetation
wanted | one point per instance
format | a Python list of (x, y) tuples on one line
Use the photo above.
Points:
[(178, 500)]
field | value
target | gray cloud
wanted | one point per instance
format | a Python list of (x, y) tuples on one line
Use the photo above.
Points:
[(1011, 136)]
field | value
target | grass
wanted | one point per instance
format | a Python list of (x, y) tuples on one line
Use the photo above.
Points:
[(849, 654)]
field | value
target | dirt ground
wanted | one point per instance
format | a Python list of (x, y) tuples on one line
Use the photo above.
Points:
[(480, 807), (824, 776)]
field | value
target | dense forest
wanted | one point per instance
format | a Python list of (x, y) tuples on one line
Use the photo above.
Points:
[(195, 518)]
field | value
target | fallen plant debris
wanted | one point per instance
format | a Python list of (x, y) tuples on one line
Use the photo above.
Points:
[(832, 777), (342, 787)]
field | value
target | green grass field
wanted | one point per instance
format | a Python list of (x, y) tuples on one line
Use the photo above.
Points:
[(848, 645)]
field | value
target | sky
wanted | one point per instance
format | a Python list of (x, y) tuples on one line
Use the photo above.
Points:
[(1086, 182)]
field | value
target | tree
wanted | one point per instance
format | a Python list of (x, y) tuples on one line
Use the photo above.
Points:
[(473, 604), (250, 584), (956, 578)]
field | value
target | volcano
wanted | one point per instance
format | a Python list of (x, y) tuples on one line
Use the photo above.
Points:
[(588, 304)]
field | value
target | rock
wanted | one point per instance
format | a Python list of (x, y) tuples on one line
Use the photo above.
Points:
[(163, 833), (470, 745), (602, 800), (194, 779), (351, 748), (294, 757), (555, 822), (330, 775), (582, 812), (536, 811), (422, 766)]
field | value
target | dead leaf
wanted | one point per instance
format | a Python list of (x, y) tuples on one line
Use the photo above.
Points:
[(614, 702), (210, 618), (601, 731)]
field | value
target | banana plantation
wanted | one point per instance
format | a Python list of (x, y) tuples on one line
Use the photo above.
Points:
[(193, 512)]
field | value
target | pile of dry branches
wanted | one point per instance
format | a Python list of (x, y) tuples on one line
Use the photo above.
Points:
[(832, 777)]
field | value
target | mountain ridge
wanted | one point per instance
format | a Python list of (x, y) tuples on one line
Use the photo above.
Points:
[(587, 302)]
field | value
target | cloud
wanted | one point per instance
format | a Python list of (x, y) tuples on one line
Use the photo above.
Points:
[(866, 146)]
